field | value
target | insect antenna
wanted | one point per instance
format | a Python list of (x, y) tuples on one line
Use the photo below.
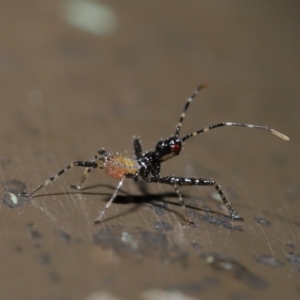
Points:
[(282, 136), (187, 104)]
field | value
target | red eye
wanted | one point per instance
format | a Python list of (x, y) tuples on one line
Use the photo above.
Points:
[(175, 148)]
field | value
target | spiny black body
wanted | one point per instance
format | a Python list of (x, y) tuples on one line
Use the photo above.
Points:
[(146, 167)]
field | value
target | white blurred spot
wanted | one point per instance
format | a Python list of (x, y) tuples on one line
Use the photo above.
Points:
[(164, 295), (95, 18), (13, 198), (127, 238), (101, 296)]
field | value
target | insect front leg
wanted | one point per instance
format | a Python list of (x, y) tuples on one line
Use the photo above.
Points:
[(86, 164), (181, 181)]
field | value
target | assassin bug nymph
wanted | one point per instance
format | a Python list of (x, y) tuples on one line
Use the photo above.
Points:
[(146, 166)]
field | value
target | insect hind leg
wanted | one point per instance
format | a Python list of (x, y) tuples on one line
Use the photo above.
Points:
[(232, 212), (181, 181)]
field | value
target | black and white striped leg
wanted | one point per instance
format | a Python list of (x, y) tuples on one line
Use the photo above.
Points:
[(181, 181), (137, 146), (232, 212), (108, 204), (86, 164)]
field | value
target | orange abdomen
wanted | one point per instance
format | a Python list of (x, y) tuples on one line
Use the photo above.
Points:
[(117, 166)]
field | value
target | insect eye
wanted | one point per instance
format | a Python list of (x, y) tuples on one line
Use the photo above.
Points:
[(175, 148)]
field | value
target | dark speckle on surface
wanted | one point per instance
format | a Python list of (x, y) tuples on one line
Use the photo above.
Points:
[(224, 222), (293, 258), (66, 237), (195, 287), (296, 223), (12, 189), (44, 258), (19, 249), (4, 162), (15, 186), (154, 240), (161, 225), (127, 242), (262, 221), (108, 235), (54, 276), (236, 269), (290, 245), (34, 234), (143, 242), (196, 245), (268, 260)]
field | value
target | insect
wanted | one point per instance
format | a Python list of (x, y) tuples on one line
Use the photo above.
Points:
[(145, 167)]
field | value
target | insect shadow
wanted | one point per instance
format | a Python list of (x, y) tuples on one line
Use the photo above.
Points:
[(157, 200)]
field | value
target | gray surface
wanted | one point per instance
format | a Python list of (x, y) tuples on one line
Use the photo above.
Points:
[(66, 92)]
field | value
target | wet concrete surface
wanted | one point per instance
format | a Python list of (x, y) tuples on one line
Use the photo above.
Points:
[(77, 76)]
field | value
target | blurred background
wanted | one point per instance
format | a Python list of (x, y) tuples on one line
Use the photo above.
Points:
[(79, 75)]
